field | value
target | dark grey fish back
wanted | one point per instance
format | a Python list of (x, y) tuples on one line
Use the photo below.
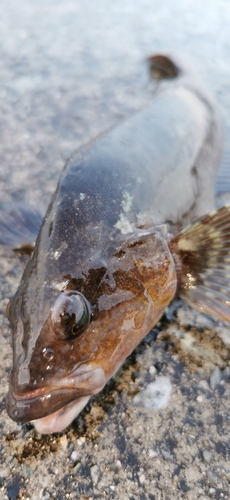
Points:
[(165, 159)]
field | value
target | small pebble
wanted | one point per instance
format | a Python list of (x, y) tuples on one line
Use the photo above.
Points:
[(153, 453), (204, 385), (207, 456), (74, 456), (4, 472), (94, 470), (44, 495), (215, 378), (64, 441), (142, 478), (26, 471), (167, 455), (224, 334), (75, 468), (81, 441), (173, 330), (212, 491), (156, 395)]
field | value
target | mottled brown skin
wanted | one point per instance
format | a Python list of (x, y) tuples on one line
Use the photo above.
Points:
[(103, 237), (124, 309)]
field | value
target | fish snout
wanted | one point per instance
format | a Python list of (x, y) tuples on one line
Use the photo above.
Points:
[(33, 404)]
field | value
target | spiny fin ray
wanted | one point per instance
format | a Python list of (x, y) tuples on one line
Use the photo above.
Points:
[(202, 257)]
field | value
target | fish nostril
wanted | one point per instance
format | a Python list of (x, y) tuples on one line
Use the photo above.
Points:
[(47, 353)]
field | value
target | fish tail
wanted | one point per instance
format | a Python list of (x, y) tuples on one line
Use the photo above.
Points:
[(202, 257), (162, 67)]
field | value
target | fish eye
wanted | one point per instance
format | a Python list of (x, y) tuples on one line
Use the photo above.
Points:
[(71, 315)]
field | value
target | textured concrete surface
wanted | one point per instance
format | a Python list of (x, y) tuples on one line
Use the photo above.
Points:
[(68, 71)]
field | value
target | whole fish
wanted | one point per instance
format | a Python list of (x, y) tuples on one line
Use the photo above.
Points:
[(105, 264)]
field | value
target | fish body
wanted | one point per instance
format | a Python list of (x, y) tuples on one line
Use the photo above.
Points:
[(102, 271)]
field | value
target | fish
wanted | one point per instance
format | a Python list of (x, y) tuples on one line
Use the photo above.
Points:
[(125, 231)]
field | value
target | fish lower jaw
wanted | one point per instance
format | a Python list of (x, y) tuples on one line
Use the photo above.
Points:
[(53, 408), (60, 419)]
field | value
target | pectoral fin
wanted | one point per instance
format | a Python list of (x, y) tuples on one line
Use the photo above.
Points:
[(19, 226), (202, 257)]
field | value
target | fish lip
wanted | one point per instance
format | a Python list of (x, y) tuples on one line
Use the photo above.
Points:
[(58, 421), (68, 382), (38, 403)]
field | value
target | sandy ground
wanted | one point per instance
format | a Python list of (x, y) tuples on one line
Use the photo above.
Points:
[(68, 71)]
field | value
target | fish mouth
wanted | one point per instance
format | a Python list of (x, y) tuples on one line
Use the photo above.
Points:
[(53, 408), (60, 419)]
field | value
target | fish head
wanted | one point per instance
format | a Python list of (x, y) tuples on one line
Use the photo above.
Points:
[(68, 343)]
